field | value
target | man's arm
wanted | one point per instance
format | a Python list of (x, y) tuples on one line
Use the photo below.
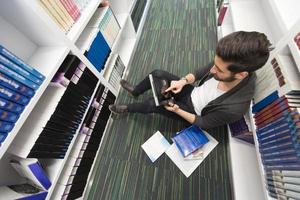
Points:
[(176, 86), (182, 113)]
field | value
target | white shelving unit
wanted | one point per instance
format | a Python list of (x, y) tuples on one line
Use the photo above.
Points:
[(30, 33), (280, 21)]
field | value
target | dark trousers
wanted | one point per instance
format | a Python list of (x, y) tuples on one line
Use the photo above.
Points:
[(182, 99)]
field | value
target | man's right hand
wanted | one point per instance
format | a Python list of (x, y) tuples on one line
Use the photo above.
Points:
[(176, 86)]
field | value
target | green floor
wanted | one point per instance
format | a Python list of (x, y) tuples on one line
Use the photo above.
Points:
[(178, 36)]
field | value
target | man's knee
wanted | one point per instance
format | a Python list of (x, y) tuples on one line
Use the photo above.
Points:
[(158, 73)]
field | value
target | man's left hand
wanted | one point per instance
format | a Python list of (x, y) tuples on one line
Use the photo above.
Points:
[(172, 107)]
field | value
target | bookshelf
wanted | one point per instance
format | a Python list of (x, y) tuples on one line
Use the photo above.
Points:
[(31, 34), (280, 21)]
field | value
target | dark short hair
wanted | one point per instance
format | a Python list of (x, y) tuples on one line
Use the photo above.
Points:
[(248, 51)]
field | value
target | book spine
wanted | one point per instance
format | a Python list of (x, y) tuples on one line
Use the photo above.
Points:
[(10, 106), (6, 126), (40, 175), (19, 70), (12, 96), (18, 77), (68, 8), (20, 62), (14, 85), (8, 116), (2, 137)]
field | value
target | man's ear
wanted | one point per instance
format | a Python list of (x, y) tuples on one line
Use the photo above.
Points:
[(241, 75)]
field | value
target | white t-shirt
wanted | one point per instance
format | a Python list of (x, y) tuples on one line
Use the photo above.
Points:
[(205, 93)]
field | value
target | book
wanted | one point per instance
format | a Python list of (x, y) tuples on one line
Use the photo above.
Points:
[(189, 140), (187, 167), (20, 62), (32, 170), (158, 87)]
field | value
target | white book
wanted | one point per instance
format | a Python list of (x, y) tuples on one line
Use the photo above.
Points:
[(187, 167)]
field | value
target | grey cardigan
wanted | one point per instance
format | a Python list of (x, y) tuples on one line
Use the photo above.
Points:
[(228, 107)]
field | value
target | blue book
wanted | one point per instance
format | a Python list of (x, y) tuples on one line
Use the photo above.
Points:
[(13, 96), (19, 70), (266, 101), (16, 86), (3, 136), (6, 126), (5, 70), (8, 116), (189, 140), (10, 106), (20, 62)]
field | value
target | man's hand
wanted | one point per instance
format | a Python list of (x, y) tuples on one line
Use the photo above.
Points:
[(172, 107), (176, 86)]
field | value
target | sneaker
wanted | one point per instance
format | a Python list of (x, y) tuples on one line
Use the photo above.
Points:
[(118, 109), (127, 86)]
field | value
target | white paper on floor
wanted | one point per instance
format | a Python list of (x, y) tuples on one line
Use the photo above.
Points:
[(155, 146)]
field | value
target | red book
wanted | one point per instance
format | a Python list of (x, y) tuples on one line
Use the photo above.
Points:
[(222, 14)]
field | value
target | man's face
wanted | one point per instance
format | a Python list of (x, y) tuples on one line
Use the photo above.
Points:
[(220, 71)]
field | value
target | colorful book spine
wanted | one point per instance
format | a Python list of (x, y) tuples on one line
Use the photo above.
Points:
[(20, 62)]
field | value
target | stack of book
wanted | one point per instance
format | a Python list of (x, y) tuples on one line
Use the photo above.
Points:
[(137, 13), (18, 84), (241, 129), (277, 121), (66, 118), (59, 113), (283, 184), (118, 68), (72, 184), (64, 12)]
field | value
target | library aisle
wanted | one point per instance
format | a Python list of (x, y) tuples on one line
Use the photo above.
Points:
[(178, 36)]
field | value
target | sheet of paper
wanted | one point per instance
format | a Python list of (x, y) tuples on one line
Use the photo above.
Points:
[(155, 146), (187, 167)]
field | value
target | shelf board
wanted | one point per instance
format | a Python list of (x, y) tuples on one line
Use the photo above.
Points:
[(288, 11), (122, 19), (125, 50), (248, 15), (295, 53), (83, 20), (48, 68), (243, 156)]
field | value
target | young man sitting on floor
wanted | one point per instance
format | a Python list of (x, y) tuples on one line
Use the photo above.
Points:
[(225, 90)]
